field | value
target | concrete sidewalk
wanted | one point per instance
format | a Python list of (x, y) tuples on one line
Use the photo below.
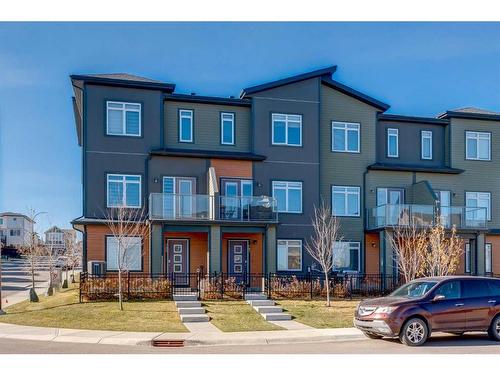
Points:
[(190, 339)]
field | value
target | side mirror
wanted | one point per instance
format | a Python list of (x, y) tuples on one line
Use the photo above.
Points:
[(438, 297)]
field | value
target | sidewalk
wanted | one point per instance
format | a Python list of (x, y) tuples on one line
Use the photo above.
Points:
[(190, 339)]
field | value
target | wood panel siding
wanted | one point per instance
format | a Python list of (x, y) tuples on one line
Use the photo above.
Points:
[(495, 253), (372, 253), (232, 168)]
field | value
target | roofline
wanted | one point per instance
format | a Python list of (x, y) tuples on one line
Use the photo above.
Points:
[(16, 214), (168, 87), (285, 81), (413, 168), (471, 116), (208, 99), (207, 154), (416, 119), (355, 94)]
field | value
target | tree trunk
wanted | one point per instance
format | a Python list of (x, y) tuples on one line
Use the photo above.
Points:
[(120, 292), (327, 290)]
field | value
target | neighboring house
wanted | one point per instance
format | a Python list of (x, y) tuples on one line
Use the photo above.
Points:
[(15, 229), (58, 238), (230, 184)]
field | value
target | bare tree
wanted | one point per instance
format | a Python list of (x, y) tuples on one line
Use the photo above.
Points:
[(409, 243), (125, 224), (321, 246), (51, 253), (73, 255)]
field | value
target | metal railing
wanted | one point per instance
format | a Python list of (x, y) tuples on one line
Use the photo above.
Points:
[(197, 207), (461, 217)]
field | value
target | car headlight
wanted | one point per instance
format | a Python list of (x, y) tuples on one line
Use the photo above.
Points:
[(385, 309)]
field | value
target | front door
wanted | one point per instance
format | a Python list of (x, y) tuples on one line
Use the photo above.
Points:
[(238, 259), (178, 260)]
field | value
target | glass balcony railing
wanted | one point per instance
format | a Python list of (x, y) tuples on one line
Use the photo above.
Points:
[(391, 215), (199, 207)]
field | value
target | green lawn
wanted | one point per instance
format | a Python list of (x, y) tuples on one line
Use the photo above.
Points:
[(237, 316), (63, 311), (316, 314)]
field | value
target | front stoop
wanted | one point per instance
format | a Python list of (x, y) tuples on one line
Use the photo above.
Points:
[(189, 308), (266, 307)]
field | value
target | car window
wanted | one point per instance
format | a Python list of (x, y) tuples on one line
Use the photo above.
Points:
[(494, 287), (476, 288), (449, 290)]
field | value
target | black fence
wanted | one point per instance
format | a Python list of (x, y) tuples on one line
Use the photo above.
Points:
[(213, 286)]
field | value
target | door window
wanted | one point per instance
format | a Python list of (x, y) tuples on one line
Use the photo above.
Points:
[(476, 288), (450, 290)]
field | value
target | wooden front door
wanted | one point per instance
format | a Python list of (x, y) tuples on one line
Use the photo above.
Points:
[(238, 262), (178, 260)]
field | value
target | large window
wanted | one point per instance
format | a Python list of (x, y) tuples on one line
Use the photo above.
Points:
[(124, 190), (345, 137), (475, 200), (289, 255), (227, 128), (345, 200), (392, 143), (288, 195), (426, 143), (346, 256), (477, 146), (123, 119), (185, 125), (286, 129), (129, 254), (487, 258)]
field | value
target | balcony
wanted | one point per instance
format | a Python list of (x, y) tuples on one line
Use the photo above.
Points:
[(393, 215), (177, 207)]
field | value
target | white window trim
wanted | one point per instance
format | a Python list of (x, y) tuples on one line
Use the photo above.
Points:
[(124, 118), (345, 199), (474, 135), (425, 134), (476, 193), (140, 253), (490, 257), (389, 135), (191, 117), (287, 211), (222, 128), (343, 126), (286, 130), (287, 245), (359, 254), (124, 197)]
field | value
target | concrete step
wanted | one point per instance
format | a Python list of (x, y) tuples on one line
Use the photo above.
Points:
[(261, 302), (179, 304), (255, 296), (191, 310), (268, 309), (195, 318), (185, 297), (277, 316)]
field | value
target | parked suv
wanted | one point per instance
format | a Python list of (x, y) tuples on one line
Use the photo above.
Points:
[(451, 304)]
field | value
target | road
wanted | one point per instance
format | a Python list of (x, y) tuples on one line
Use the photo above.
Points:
[(470, 344)]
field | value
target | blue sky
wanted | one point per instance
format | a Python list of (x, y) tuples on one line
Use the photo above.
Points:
[(417, 68)]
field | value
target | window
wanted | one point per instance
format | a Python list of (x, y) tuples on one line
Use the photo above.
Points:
[(477, 146), (124, 190), (475, 288), (15, 232), (185, 125), (487, 258), (475, 200), (227, 128), (345, 200), (346, 256), (426, 142), (130, 254), (286, 129), (392, 143), (467, 258), (123, 119), (345, 137), (288, 196), (1, 220), (289, 255), (450, 290)]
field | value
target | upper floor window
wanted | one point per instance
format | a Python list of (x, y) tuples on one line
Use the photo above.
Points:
[(426, 142), (286, 129), (227, 128), (345, 200), (185, 125), (15, 232), (124, 190), (477, 146), (475, 199), (288, 195), (125, 254), (123, 119), (392, 143), (345, 137), (289, 255), (346, 256)]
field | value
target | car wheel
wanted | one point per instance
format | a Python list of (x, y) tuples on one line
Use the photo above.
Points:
[(494, 330), (414, 332), (372, 335)]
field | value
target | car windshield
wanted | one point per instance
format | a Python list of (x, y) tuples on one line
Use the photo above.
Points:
[(415, 289)]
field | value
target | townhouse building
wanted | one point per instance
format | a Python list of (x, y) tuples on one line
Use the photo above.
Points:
[(15, 229), (58, 238), (230, 184)]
